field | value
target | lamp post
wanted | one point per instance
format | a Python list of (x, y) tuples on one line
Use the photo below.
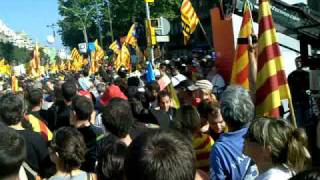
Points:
[(51, 39), (52, 26)]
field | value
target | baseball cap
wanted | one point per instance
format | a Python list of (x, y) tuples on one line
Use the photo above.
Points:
[(201, 84)]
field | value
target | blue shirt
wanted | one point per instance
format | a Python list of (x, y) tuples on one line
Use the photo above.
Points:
[(227, 160)]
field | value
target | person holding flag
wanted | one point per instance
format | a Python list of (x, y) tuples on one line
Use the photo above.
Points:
[(241, 64)]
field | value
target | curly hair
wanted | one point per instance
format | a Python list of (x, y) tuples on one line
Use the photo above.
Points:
[(68, 142)]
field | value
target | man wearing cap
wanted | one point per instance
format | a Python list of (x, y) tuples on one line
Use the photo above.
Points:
[(202, 91)]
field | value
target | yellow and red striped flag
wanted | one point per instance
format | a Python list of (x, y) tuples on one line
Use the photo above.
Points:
[(99, 52), (189, 19), (75, 55), (35, 61), (132, 36), (115, 47), (271, 83), (39, 126), (240, 68), (123, 58)]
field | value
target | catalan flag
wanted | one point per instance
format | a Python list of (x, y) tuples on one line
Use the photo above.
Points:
[(39, 126), (123, 58), (75, 54), (78, 61), (115, 47), (132, 36), (240, 68), (271, 83), (99, 52), (189, 18), (35, 62)]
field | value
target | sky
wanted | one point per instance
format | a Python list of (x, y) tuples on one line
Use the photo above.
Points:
[(32, 17)]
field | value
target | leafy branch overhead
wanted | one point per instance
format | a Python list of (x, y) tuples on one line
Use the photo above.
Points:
[(77, 13)]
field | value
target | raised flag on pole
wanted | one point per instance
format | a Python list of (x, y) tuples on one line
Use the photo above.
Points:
[(240, 68), (98, 52), (132, 36), (75, 54), (34, 66), (123, 58), (115, 47), (271, 83), (189, 19)]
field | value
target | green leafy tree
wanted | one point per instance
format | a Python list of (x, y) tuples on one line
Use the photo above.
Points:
[(13, 54), (123, 14)]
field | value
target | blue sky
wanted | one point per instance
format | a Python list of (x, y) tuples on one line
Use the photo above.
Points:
[(32, 17)]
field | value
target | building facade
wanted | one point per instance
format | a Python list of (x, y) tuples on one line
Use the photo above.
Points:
[(19, 39)]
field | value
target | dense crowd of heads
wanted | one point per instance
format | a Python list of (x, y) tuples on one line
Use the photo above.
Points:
[(116, 125)]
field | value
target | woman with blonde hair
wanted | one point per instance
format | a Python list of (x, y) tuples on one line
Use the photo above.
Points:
[(278, 148)]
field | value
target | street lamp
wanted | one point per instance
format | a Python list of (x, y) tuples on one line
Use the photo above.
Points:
[(51, 38)]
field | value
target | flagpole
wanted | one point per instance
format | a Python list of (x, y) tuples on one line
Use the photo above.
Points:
[(148, 19), (293, 117), (205, 35)]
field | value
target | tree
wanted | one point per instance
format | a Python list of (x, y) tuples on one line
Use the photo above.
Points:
[(123, 14), (14, 54)]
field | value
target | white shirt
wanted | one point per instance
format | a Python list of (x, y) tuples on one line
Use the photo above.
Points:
[(218, 83), (276, 173)]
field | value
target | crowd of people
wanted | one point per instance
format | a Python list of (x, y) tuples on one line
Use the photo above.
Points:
[(117, 125)]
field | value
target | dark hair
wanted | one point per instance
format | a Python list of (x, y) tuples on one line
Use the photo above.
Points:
[(207, 109), (288, 145), (34, 97), (160, 155), (117, 117), (101, 87), (311, 174), (111, 161), (154, 86), (69, 144), (12, 151), (82, 106), (85, 71), (11, 108), (236, 107), (187, 120), (163, 94), (69, 90)]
